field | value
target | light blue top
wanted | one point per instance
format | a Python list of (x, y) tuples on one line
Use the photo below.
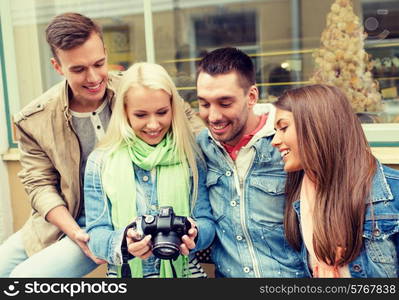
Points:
[(105, 242)]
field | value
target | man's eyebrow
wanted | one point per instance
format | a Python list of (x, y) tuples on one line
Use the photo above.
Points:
[(76, 67), (100, 60), (82, 66), (224, 98)]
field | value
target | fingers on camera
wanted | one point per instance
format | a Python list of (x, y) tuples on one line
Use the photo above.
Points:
[(134, 235), (141, 251)]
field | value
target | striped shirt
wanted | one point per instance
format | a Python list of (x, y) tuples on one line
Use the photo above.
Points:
[(196, 270)]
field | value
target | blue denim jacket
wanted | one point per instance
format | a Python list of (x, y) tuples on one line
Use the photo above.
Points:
[(105, 242), (249, 213), (380, 251)]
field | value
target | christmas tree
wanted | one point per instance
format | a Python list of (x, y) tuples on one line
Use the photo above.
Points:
[(342, 61)]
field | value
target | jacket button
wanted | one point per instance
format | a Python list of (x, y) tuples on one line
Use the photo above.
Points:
[(239, 238), (246, 269), (233, 203), (228, 173), (357, 268), (376, 232), (145, 178)]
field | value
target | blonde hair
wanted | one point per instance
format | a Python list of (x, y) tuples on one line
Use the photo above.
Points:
[(120, 133)]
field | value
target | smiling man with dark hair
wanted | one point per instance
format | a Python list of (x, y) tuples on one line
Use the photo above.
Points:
[(245, 177)]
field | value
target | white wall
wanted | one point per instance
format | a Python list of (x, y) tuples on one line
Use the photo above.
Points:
[(6, 220)]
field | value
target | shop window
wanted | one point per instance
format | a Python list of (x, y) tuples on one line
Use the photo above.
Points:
[(214, 31), (279, 36)]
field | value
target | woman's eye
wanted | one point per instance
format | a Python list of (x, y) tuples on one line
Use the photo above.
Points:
[(283, 129)]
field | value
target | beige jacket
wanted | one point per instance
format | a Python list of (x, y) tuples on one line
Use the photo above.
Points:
[(50, 160)]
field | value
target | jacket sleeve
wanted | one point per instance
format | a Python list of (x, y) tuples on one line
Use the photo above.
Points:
[(396, 242), (104, 242), (38, 175), (202, 213)]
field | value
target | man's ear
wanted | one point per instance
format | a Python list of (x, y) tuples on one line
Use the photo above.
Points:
[(253, 95), (57, 66)]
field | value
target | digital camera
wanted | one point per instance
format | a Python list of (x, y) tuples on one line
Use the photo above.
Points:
[(166, 230)]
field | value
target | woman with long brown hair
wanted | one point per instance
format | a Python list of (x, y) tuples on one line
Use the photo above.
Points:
[(342, 204)]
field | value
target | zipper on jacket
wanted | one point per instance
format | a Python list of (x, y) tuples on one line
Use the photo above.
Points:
[(243, 221), (239, 183)]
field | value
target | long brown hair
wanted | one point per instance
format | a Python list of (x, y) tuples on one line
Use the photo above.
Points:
[(336, 156)]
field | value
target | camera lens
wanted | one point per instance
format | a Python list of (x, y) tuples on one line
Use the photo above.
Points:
[(166, 246)]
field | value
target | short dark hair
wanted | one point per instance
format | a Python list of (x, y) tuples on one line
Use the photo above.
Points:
[(69, 30), (226, 60)]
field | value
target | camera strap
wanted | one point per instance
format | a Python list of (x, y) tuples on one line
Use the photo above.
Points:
[(126, 256), (173, 268)]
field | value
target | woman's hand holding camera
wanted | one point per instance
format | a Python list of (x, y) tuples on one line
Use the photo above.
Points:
[(137, 245), (189, 239), (141, 247)]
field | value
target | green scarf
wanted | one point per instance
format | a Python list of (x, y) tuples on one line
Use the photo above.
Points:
[(172, 190)]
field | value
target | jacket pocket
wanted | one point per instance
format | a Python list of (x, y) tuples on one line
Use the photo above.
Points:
[(269, 184), (212, 178), (266, 199), (380, 246), (217, 194), (286, 261)]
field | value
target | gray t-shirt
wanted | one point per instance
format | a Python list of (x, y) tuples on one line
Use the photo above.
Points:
[(90, 127)]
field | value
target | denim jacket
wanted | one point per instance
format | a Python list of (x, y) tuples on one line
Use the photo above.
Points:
[(105, 242), (249, 210), (380, 250)]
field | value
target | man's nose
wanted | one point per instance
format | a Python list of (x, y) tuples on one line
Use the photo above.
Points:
[(214, 114), (92, 75)]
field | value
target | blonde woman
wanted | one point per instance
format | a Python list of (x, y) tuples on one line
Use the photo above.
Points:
[(148, 159)]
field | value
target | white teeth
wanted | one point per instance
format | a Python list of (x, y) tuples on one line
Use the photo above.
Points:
[(94, 87), (153, 133), (219, 127), (285, 152)]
